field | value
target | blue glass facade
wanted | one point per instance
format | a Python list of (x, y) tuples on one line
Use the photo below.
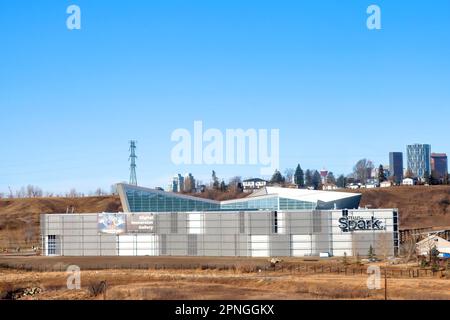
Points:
[(137, 199), (419, 160), (267, 203), (143, 201)]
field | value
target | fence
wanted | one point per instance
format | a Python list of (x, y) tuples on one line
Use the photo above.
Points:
[(420, 233), (290, 269)]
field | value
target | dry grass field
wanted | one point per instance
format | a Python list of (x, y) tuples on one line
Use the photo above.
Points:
[(223, 285), (202, 278)]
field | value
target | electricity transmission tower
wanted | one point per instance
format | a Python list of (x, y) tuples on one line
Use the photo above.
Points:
[(133, 179)]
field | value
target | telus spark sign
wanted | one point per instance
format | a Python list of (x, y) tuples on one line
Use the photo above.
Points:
[(349, 224)]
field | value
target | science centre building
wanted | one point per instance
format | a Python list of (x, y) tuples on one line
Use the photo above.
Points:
[(271, 222)]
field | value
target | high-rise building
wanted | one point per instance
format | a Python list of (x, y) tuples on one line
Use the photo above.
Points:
[(419, 160), (177, 184), (396, 166), (439, 165), (189, 183)]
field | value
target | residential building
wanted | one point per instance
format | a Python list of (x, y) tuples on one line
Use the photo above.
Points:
[(386, 184), (177, 184), (408, 182), (432, 241), (419, 160), (329, 186), (254, 184)]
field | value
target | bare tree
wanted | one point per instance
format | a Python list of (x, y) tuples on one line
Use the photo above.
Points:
[(189, 183), (289, 174), (409, 173), (21, 193), (73, 193), (113, 189), (100, 192), (409, 247), (34, 191), (362, 170), (235, 183)]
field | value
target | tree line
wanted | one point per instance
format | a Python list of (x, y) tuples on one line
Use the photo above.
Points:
[(32, 191)]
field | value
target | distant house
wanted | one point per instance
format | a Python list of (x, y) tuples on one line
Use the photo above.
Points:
[(371, 184), (386, 184), (329, 187), (408, 182), (424, 247), (253, 184), (353, 186)]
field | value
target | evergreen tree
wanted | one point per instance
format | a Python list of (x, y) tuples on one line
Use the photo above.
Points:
[(299, 177), (223, 186), (308, 178), (371, 253), (277, 177), (316, 180), (341, 181), (381, 176), (215, 181), (330, 178)]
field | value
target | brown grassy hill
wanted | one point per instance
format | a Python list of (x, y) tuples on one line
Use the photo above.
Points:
[(419, 206), (19, 218)]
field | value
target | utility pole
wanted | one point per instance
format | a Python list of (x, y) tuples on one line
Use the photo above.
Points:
[(132, 159)]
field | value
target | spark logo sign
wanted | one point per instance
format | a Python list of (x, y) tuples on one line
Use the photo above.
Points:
[(349, 224)]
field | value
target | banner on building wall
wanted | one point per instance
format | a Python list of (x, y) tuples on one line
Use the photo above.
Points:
[(141, 223), (111, 223)]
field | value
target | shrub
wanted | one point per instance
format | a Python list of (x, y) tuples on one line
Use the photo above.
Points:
[(97, 288)]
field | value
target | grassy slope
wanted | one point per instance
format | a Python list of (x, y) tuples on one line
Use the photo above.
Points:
[(19, 218), (419, 206)]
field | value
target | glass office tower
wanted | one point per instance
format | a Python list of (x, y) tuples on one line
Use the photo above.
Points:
[(419, 160), (396, 166)]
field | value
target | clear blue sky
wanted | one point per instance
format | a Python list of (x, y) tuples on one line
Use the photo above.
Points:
[(338, 92)]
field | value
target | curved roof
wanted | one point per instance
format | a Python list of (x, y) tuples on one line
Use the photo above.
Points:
[(304, 194)]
